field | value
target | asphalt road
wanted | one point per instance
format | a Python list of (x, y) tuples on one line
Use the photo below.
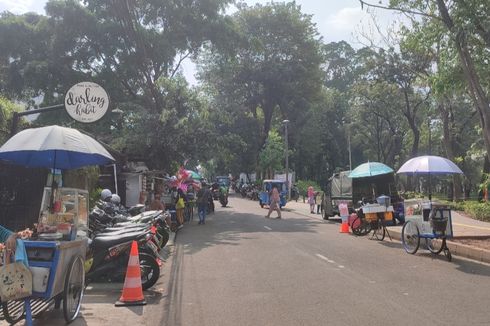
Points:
[(243, 269)]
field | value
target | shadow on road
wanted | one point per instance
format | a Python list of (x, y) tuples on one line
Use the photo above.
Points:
[(229, 227)]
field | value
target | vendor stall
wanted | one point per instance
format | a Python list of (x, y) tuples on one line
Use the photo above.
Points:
[(427, 219), (56, 251)]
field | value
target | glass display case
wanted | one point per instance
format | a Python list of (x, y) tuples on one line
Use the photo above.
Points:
[(64, 214)]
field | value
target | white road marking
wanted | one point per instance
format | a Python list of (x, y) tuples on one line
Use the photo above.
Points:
[(341, 266), (322, 257), (268, 228), (325, 258)]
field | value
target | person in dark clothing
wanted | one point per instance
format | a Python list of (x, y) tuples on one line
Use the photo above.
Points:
[(203, 196)]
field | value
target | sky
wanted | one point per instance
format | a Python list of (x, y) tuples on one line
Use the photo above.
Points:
[(336, 20)]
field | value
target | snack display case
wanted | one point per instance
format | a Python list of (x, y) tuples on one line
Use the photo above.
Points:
[(64, 214)]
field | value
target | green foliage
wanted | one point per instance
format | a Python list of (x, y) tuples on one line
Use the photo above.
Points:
[(411, 195), (134, 50), (272, 154), (94, 196), (304, 184), (270, 69), (479, 211), (7, 108)]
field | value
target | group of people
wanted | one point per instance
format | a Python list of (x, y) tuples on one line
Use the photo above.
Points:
[(182, 199), (315, 198)]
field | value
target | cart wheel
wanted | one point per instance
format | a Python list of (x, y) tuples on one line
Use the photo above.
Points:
[(410, 237), (13, 311), (360, 227), (448, 255), (379, 230), (73, 291), (435, 245)]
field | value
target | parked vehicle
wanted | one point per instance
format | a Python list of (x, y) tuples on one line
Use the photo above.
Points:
[(355, 192), (108, 257), (267, 186)]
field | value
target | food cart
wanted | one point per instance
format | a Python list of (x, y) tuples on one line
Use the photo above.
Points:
[(56, 252), (427, 219), (430, 221), (373, 217), (56, 255)]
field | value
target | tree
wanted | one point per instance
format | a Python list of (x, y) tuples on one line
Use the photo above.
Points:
[(272, 154), (273, 67), (467, 25), (134, 49), (7, 108), (378, 123)]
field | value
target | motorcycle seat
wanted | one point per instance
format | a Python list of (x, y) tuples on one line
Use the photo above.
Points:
[(112, 240), (130, 226), (106, 232)]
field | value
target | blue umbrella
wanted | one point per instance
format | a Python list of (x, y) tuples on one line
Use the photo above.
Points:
[(54, 147), (370, 169)]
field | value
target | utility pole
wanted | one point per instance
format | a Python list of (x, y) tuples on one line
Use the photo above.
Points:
[(287, 157)]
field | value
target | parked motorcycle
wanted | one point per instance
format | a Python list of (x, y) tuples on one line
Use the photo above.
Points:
[(108, 257)]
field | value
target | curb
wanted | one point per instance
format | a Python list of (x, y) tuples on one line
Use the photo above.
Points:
[(457, 249)]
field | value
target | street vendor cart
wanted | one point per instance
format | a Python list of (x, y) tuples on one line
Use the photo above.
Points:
[(426, 219), (56, 252), (429, 221), (56, 256)]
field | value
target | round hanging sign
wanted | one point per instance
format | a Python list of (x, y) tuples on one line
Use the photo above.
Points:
[(86, 102)]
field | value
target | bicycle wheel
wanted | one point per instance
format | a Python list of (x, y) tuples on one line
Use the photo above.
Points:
[(435, 245), (360, 227), (73, 291), (410, 237), (379, 230)]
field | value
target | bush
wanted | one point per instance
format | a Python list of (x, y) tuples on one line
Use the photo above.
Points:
[(304, 184), (479, 211), (411, 195), (455, 206)]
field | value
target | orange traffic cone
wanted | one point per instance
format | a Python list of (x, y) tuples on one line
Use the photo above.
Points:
[(344, 227), (132, 291)]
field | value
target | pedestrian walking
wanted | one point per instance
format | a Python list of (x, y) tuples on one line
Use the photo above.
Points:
[(275, 204), (319, 201), (202, 200), (179, 207), (311, 199)]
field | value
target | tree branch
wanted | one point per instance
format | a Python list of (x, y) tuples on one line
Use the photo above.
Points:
[(399, 10), (182, 58)]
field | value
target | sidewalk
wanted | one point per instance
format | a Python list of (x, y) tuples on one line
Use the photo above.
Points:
[(471, 237)]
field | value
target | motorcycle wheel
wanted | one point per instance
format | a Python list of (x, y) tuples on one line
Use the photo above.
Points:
[(150, 271), (165, 236)]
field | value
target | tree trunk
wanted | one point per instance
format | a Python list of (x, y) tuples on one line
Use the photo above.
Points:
[(477, 92), (268, 110), (449, 142)]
